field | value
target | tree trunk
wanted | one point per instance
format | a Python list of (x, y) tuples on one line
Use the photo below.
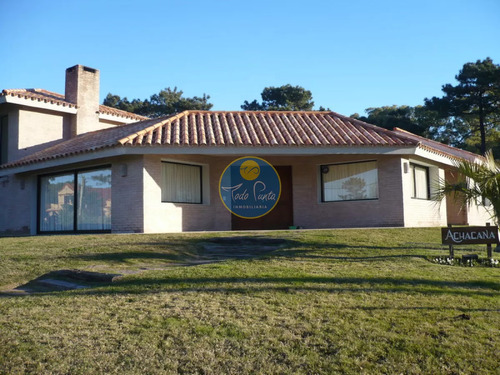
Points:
[(482, 130)]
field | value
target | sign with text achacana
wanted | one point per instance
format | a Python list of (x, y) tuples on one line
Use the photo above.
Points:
[(469, 235)]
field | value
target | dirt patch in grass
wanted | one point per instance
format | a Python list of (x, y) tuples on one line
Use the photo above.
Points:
[(61, 280)]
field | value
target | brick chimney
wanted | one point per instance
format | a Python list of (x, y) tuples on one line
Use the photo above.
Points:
[(82, 89)]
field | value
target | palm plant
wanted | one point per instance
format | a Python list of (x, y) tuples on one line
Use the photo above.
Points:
[(479, 183)]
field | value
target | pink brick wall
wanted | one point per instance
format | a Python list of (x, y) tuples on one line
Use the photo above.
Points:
[(137, 205), (127, 194), (455, 213), (175, 217), (309, 212), (17, 212)]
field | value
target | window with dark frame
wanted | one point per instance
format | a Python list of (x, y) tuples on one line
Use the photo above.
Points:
[(349, 181), (75, 201), (420, 182), (181, 183)]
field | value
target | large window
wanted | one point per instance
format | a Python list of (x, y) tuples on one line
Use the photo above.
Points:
[(75, 201), (347, 182), (181, 183), (420, 181)]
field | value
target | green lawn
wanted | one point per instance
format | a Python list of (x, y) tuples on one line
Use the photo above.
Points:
[(339, 301)]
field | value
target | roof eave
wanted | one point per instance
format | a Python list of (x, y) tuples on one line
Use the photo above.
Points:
[(122, 119), (41, 104), (115, 151), (435, 155)]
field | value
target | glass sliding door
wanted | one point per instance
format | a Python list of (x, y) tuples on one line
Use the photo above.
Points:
[(57, 203), (94, 200), (77, 201)]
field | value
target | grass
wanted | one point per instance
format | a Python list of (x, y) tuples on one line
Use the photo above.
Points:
[(339, 301)]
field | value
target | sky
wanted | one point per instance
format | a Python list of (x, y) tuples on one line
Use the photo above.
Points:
[(351, 55)]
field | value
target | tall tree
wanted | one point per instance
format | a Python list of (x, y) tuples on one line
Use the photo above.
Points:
[(283, 98), (115, 101), (166, 102), (389, 117), (418, 120), (475, 100)]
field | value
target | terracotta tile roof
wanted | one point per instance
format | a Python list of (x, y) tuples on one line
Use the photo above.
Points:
[(38, 95), (218, 128), (439, 148), (45, 96), (226, 129), (120, 113), (83, 143)]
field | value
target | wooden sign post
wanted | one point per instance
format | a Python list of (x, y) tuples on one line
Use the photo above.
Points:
[(470, 235), (488, 246)]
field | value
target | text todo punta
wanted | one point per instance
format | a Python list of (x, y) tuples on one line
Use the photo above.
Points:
[(258, 193)]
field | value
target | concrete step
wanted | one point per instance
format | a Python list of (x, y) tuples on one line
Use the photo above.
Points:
[(61, 284)]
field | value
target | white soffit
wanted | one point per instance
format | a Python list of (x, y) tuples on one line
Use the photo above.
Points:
[(120, 119), (434, 156), (38, 104)]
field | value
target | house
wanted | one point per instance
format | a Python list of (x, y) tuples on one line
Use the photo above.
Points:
[(69, 164)]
